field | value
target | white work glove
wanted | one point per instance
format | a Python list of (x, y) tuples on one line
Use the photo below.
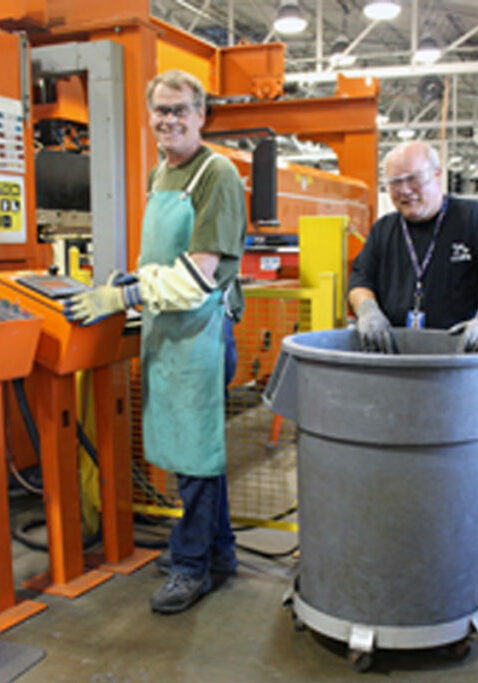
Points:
[(180, 287), (91, 307), (373, 327), (469, 330)]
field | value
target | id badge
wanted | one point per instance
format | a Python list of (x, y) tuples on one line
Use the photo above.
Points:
[(416, 320)]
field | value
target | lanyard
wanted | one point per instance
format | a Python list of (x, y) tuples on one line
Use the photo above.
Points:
[(420, 269)]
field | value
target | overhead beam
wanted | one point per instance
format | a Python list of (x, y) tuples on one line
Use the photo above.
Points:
[(305, 117), (429, 125)]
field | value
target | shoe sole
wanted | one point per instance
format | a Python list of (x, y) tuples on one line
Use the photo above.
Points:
[(174, 609)]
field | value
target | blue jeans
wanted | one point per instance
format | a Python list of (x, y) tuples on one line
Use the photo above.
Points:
[(204, 530)]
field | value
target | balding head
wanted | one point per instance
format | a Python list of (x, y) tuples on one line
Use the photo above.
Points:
[(416, 149), (413, 175)]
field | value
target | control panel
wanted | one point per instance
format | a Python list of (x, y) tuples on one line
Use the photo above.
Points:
[(65, 347), (52, 286)]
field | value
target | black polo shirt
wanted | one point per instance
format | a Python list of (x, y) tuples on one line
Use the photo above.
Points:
[(450, 283)]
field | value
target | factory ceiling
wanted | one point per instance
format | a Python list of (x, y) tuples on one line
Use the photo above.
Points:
[(437, 101)]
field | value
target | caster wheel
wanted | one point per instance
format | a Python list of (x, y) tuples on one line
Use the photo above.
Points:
[(298, 624), (460, 649), (360, 661), (287, 603)]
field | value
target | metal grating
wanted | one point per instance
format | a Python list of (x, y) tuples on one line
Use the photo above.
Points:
[(261, 447)]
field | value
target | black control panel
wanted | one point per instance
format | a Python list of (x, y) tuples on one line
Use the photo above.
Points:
[(53, 286)]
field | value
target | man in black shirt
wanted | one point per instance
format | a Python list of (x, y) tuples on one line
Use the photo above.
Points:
[(419, 265)]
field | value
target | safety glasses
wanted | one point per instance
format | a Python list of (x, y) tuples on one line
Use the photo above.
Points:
[(414, 180), (180, 110)]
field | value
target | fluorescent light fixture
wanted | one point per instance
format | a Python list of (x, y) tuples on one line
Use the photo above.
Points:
[(337, 58), (406, 133), (290, 18), (427, 51), (382, 9)]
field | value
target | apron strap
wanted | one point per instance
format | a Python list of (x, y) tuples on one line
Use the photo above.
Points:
[(159, 168), (198, 175)]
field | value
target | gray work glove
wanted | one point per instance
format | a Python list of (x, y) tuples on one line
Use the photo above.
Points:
[(469, 330), (374, 327)]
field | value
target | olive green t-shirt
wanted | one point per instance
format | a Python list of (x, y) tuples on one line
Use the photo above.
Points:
[(220, 216)]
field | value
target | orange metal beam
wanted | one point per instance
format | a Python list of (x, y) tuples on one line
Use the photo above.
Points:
[(56, 412), (306, 117), (114, 462), (252, 69), (186, 41), (19, 339), (346, 124)]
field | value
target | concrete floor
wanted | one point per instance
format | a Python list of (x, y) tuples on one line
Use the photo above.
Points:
[(237, 634)]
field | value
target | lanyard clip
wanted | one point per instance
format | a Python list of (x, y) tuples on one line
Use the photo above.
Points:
[(417, 298)]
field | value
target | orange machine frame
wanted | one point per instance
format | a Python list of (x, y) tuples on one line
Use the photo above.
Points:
[(63, 349), (345, 122), (18, 342)]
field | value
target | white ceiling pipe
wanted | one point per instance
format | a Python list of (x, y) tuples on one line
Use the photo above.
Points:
[(383, 72)]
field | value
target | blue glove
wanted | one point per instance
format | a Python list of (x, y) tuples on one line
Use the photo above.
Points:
[(469, 340), (119, 279), (374, 328), (91, 307)]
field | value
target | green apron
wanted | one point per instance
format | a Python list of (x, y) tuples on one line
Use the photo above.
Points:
[(182, 355)]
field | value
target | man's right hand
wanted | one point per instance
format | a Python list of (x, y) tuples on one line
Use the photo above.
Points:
[(373, 327), (90, 307)]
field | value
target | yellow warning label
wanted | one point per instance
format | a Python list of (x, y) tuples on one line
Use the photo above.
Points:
[(11, 207)]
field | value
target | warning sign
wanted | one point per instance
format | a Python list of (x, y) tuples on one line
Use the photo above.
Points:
[(12, 211)]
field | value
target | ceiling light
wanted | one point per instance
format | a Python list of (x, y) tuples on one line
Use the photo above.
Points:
[(382, 119), (406, 133), (427, 52), (290, 18), (338, 58), (382, 9)]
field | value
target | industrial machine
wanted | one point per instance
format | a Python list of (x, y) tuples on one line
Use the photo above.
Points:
[(64, 349)]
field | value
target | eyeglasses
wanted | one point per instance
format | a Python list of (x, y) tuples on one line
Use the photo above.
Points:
[(414, 180), (180, 111)]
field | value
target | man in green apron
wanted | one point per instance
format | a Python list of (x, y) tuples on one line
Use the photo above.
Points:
[(187, 284)]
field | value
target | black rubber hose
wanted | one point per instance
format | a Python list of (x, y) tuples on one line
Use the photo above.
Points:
[(86, 443), (21, 534), (267, 556), (22, 401)]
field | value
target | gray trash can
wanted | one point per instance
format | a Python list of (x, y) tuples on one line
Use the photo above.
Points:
[(388, 486)]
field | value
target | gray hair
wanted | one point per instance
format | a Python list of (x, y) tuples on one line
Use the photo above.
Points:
[(177, 80)]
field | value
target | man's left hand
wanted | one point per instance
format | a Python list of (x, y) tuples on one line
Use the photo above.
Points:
[(91, 307), (469, 330)]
